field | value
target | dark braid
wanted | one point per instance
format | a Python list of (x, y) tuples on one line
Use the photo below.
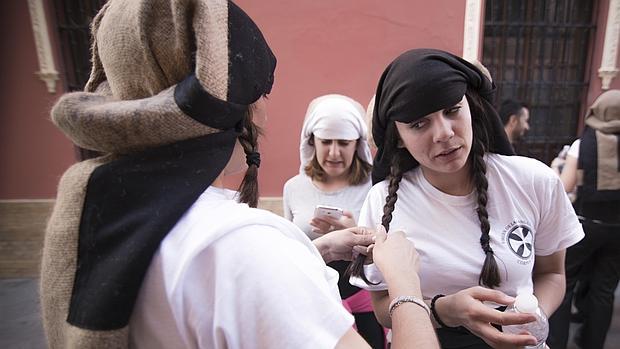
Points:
[(248, 190), (489, 276), (396, 175)]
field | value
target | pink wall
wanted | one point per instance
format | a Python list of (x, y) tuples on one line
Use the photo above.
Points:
[(326, 46), (33, 153), (322, 47)]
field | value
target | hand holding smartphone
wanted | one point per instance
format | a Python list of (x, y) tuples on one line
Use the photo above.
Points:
[(323, 211)]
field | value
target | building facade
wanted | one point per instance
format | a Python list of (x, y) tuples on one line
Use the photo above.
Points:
[(556, 55)]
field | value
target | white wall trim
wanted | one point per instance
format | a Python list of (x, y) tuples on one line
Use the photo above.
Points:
[(471, 35), (47, 70), (608, 70)]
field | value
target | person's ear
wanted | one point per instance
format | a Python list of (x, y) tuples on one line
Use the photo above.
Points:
[(513, 120)]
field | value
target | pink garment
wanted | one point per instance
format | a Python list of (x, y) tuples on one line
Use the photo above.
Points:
[(360, 302)]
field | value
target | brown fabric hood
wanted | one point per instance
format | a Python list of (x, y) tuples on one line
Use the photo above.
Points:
[(170, 84)]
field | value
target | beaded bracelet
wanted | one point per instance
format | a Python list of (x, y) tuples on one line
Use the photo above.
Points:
[(407, 299), (434, 311)]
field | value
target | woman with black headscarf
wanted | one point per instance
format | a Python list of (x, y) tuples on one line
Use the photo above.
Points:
[(476, 215)]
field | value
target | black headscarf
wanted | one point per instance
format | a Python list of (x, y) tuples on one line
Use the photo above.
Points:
[(420, 82)]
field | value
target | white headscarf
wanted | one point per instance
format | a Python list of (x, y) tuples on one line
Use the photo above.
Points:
[(369, 110), (334, 117)]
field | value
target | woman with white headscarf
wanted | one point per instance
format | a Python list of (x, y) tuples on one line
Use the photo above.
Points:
[(334, 171)]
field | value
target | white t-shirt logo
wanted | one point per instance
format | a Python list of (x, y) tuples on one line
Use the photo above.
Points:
[(521, 241)]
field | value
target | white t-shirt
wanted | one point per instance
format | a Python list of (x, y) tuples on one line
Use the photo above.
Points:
[(528, 211), (229, 276), (300, 197)]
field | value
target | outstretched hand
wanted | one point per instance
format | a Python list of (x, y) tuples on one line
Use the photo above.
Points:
[(394, 254), (465, 308), (343, 245)]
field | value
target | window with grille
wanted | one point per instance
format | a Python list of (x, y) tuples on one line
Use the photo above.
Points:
[(538, 52), (73, 18)]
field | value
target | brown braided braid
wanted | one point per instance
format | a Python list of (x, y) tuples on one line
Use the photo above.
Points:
[(396, 174), (248, 190), (489, 275)]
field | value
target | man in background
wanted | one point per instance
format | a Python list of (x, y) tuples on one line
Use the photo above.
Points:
[(515, 116)]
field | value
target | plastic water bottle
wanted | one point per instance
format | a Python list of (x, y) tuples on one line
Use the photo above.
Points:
[(528, 303), (562, 154)]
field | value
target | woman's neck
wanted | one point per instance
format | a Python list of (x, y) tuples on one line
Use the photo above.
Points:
[(231, 181), (331, 184), (218, 182), (458, 183)]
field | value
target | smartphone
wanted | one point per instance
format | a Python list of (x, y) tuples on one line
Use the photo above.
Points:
[(322, 211)]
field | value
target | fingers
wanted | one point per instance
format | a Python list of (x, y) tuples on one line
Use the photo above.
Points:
[(327, 224), (360, 250), (320, 226), (359, 238), (347, 214), (484, 294), (329, 221), (361, 230), (497, 339), (380, 234), (505, 319), (380, 229), (362, 239), (346, 222), (484, 314), (369, 248)]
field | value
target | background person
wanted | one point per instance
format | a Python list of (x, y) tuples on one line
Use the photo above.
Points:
[(334, 171), (515, 115), (592, 166), (477, 217)]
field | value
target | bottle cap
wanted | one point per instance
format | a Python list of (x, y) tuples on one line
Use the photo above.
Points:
[(526, 303)]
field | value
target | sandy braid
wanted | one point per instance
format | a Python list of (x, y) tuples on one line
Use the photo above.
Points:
[(489, 275), (248, 190), (396, 175)]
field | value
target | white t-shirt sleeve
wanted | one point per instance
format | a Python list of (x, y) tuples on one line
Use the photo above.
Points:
[(559, 226), (285, 202), (372, 209), (270, 292)]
